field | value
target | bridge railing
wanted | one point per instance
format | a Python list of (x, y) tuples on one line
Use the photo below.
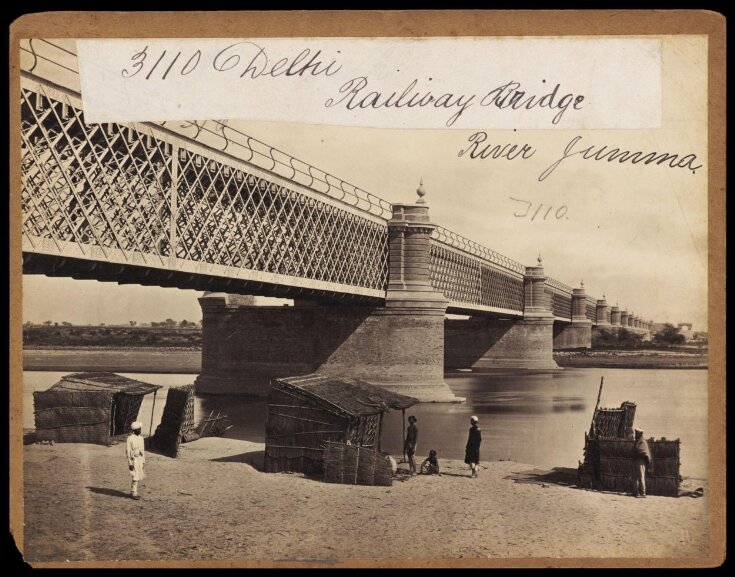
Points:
[(473, 277)]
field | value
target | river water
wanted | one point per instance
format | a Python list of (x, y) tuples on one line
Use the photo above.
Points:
[(539, 419)]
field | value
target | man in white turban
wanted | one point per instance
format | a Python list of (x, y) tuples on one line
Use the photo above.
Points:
[(135, 451)]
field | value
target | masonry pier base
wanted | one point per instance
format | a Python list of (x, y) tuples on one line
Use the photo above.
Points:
[(489, 344), (399, 347)]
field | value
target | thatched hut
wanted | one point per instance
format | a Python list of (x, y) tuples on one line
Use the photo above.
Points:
[(88, 407), (306, 412)]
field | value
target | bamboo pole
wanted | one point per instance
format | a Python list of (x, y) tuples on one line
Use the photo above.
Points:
[(597, 404), (403, 414), (150, 429), (206, 422), (380, 430)]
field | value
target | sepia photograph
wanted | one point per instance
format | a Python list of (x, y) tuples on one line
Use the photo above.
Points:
[(386, 289)]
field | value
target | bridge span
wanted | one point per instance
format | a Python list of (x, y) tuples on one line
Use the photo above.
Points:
[(200, 205)]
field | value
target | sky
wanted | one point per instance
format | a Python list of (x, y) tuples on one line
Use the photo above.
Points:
[(635, 233)]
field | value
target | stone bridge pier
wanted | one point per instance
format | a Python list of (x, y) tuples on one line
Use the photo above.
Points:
[(399, 346), (576, 334), (487, 343)]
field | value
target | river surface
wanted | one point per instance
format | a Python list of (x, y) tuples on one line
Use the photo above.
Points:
[(539, 419)]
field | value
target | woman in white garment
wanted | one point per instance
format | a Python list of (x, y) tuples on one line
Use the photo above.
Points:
[(135, 451)]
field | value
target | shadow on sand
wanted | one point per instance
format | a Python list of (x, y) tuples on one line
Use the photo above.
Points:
[(109, 492), (253, 458), (564, 476)]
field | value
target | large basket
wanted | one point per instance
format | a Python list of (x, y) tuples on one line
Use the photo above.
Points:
[(355, 465)]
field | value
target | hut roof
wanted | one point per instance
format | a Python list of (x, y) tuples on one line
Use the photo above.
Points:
[(103, 382), (352, 396)]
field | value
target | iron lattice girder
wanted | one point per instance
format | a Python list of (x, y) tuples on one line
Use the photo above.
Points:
[(472, 283), (118, 192), (590, 310), (561, 304)]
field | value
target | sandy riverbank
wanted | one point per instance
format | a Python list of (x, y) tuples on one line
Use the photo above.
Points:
[(214, 503), (188, 361), (632, 359), (116, 360)]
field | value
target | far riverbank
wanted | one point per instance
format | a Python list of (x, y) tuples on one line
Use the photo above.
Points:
[(188, 360), (632, 359), (114, 359)]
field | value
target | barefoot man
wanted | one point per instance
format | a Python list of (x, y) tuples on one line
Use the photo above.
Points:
[(135, 451), (412, 439), (472, 450), (643, 461)]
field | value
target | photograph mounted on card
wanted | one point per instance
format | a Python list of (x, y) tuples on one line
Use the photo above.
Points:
[(395, 289)]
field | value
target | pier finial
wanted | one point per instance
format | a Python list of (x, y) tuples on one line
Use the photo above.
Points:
[(539, 259), (581, 284), (421, 192)]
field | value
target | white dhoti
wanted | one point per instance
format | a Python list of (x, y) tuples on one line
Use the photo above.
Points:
[(138, 473)]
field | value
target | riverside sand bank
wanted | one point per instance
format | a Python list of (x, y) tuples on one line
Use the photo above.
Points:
[(116, 360), (632, 359), (180, 360), (214, 503)]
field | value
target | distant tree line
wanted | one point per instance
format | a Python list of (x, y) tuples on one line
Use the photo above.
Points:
[(112, 336), (669, 335), (168, 323)]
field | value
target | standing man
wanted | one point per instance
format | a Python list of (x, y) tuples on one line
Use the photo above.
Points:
[(643, 462), (412, 437), (135, 451), (472, 450)]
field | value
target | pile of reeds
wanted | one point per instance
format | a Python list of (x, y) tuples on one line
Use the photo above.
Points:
[(211, 426), (587, 476), (615, 423), (664, 477), (125, 410), (618, 460), (168, 433), (73, 416), (617, 465), (355, 465), (279, 458)]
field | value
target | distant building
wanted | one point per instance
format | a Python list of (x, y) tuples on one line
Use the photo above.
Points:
[(686, 330)]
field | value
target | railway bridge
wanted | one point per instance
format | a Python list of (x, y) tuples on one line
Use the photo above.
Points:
[(200, 205)]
